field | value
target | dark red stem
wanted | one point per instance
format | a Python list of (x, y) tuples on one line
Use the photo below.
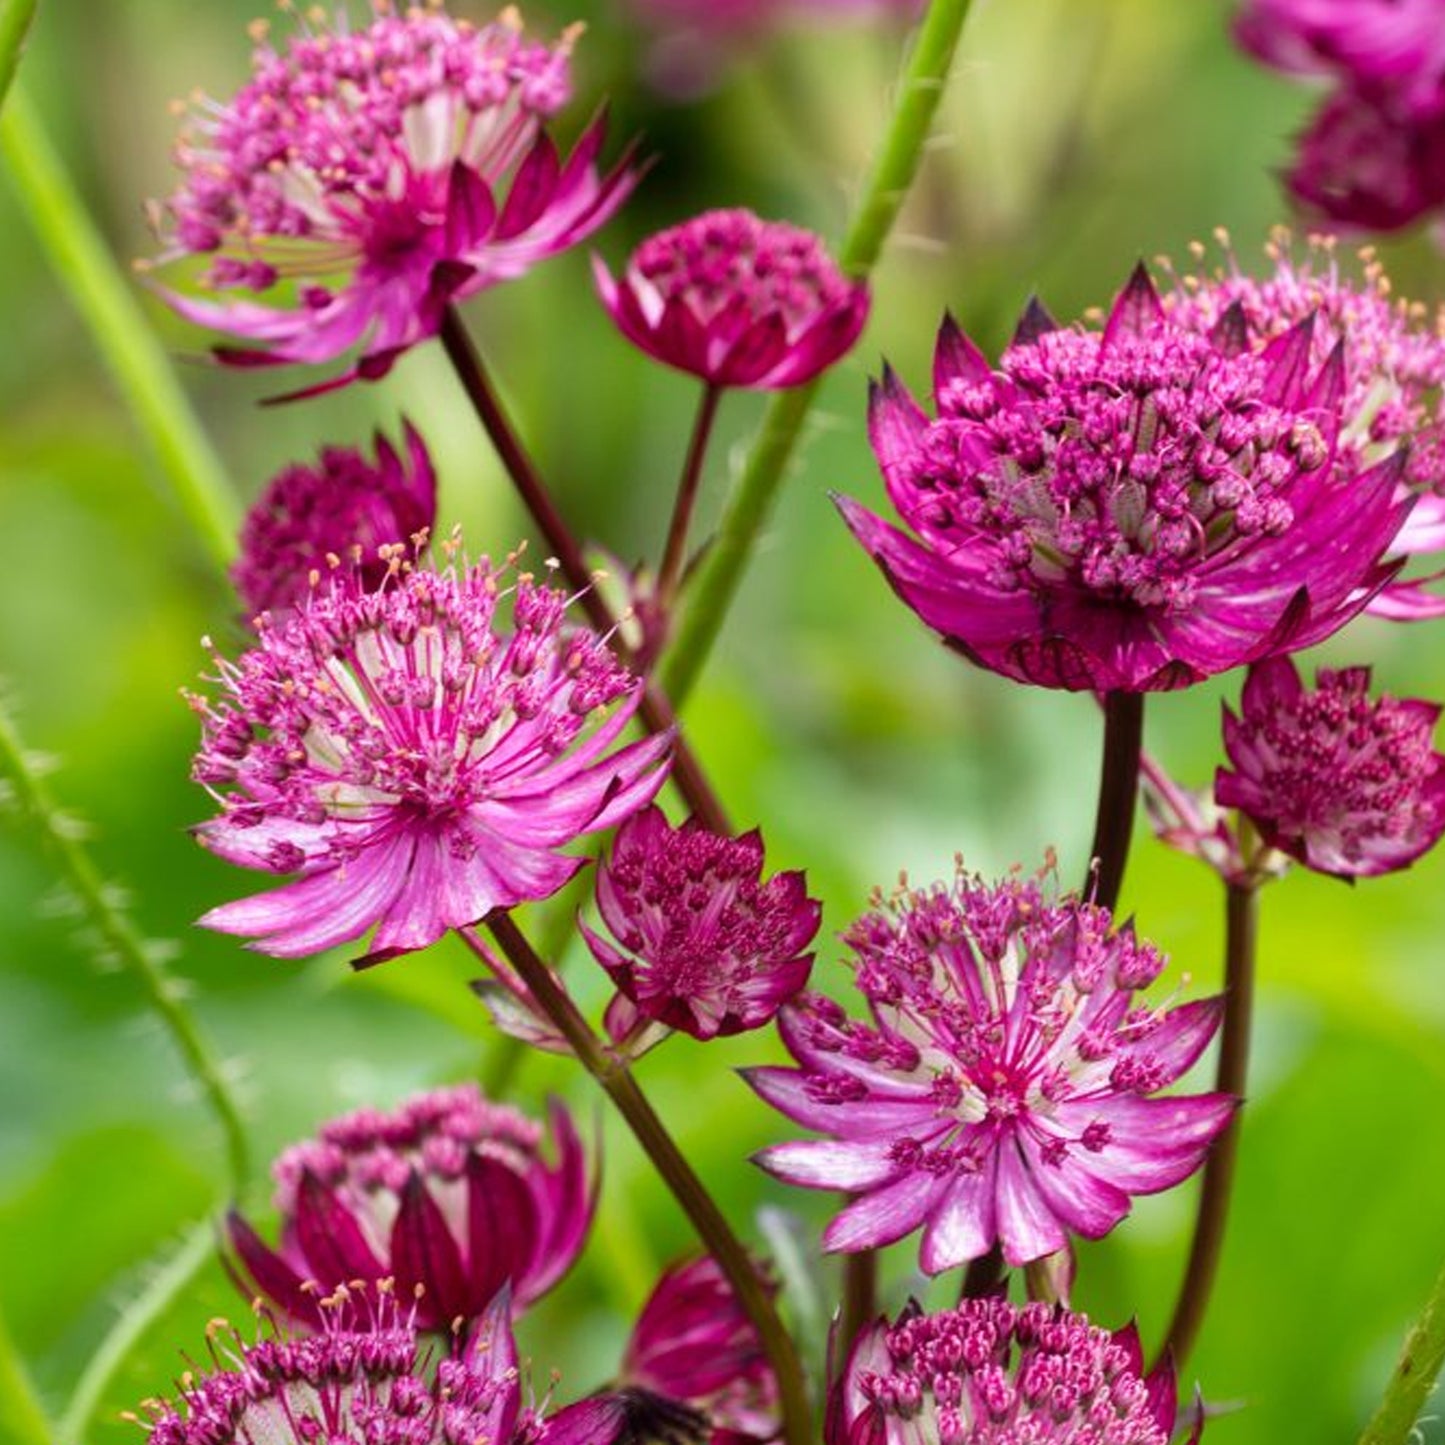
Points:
[(1118, 793)]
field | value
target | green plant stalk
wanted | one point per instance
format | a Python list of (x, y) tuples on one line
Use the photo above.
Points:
[(1414, 1375), (121, 936), (22, 1416), (15, 18), (721, 570), (103, 294)]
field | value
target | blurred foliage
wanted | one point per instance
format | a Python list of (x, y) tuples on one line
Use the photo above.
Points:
[(1079, 135)]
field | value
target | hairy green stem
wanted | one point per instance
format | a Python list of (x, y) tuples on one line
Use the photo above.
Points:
[(121, 936), (616, 1080), (22, 1417), (1413, 1378), (15, 18), (103, 295), (1118, 796), (750, 504)]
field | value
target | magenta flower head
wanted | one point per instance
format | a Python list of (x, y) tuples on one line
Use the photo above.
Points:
[(736, 301), (1127, 509), (367, 1374), (990, 1373), (416, 767), (1004, 1089), (693, 1346), (1346, 783), (707, 945), (370, 176), (346, 506), (448, 1196)]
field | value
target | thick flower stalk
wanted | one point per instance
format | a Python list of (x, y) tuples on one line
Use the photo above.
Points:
[(988, 1373), (703, 943), (1127, 509), (369, 177), (346, 506), (1394, 372), (448, 1196), (367, 1374), (1344, 782), (415, 766), (1004, 1091)]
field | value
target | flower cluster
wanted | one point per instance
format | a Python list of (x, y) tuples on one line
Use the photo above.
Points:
[(448, 1196), (1133, 508), (378, 174), (1004, 1089), (415, 766)]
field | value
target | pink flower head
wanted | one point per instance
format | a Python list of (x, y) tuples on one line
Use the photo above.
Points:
[(990, 1373), (736, 301), (693, 1346), (1133, 508), (345, 506), (367, 1374), (448, 1196), (1003, 1092), (1346, 783), (1394, 356), (378, 174), (416, 767), (711, 948)]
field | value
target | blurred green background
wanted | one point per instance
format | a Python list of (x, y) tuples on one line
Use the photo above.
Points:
[(1078, 136)]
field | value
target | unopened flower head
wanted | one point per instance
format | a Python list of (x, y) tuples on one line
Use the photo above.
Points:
[(1127, 509), (1347, 783), (991, 1373), (345, 506), (1004, 1090), (372, 175), (707, 945), (413, 764), (448, 1196), (737, 301), (367, 1374)]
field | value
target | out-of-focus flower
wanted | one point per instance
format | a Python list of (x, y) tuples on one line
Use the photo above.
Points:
[(707, 945), (367, 1374), (415, 766), (346, 506), (1394, 362), (448, 1196), (1003, 1092), (373, 176), (737, 301), (993, 1374), (1346, 783), (694, 1346), (1133, 508)]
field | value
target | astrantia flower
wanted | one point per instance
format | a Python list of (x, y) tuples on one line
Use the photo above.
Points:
[(415, 766), (1003, 1091), (694, 1346), (736, 301), (707, 946), (371, 176), (448, 1196), (1346, 783), (344, 507), (368, 1376), (1394, 354), (988, 1373), (1129, 509)]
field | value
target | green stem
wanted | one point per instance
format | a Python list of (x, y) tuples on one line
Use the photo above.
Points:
[(22, 1416), (103, 295), (120, 935), (1118, 794), (1414, 1375), (1241, 942), (15, 18), (672, 1167), (894, 168)]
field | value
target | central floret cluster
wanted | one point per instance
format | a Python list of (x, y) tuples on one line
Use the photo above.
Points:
[(1002, 1092), (414, 765)]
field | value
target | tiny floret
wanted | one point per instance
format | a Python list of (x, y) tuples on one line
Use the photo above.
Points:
[(413, 764), (1005, 1089), (737, 301)]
